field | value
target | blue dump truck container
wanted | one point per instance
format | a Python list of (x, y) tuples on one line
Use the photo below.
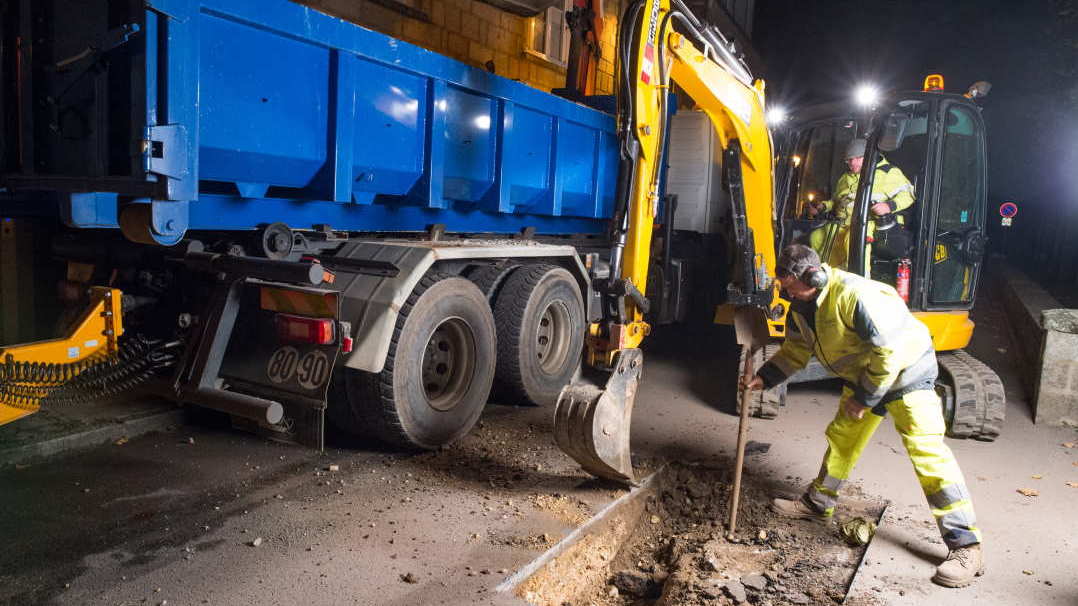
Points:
[(173, 115), (335, 206)]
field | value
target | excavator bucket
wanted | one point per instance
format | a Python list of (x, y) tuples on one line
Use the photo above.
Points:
[(750, 327), (591, 423)]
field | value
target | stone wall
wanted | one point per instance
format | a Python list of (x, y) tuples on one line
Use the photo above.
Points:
[(1057, 386), (1046, 340), (475, 33)]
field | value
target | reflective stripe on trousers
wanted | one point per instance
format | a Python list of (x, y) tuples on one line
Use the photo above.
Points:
[(919, 421)]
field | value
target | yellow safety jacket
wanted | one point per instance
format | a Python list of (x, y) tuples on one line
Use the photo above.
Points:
[(889, 185), (862, 331)]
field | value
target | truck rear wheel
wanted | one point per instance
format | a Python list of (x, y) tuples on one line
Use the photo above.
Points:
[(540, 318), (490, 278), (437, 374)]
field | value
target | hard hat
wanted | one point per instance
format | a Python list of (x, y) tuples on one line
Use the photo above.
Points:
[(855, 149)]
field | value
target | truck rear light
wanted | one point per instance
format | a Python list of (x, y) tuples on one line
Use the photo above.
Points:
[(346, 337), (301, 329)]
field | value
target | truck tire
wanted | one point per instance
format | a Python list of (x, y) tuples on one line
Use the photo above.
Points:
[(489, 278), (438, 371), (540, 318)]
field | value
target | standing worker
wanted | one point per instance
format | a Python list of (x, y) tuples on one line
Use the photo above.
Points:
[(892, 192), (864, 333)]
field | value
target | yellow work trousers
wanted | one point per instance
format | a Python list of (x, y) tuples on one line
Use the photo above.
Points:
[(919, 420), (832, 243)]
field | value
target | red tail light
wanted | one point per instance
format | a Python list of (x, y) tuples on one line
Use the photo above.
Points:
[(300, 329)]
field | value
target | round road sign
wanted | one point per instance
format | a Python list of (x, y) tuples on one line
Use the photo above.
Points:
[(1008, 209)]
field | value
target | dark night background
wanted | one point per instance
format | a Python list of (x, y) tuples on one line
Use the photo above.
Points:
[(820, 50)]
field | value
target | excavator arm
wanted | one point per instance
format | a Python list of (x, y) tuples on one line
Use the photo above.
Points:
[(661, 43)]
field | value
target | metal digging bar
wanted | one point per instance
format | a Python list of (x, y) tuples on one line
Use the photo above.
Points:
[(750, 326)]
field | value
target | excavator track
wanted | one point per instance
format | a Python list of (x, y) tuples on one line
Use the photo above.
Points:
[(973, 398)]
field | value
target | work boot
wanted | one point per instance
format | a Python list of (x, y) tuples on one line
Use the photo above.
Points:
[(797, 509), (960, 567)]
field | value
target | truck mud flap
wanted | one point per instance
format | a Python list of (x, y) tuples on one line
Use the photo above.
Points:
[(266, 357)]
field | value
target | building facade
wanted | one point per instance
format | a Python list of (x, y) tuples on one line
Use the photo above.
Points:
[(529, 49)]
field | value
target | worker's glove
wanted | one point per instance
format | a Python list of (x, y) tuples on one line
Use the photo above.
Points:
[(854, 409), (753, 384), (881, 208), (814, 209)]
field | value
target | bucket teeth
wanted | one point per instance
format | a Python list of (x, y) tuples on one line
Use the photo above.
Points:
[(592, 424)]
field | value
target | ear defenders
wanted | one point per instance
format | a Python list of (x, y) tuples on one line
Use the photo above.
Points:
[(815, 277)]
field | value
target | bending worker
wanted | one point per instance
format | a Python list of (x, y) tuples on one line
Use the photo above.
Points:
[(892, 192), (863, 332)]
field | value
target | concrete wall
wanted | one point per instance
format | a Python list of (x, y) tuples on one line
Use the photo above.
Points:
[(1056, 400), (474, 32), (1046, 342)]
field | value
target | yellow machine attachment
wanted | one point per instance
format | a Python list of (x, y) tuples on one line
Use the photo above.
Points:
[(31, 373), (660, 42)]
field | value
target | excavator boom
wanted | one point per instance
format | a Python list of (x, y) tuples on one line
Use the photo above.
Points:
[(660, 42)]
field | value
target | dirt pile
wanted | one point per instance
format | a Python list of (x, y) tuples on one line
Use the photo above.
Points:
[(679, 555)]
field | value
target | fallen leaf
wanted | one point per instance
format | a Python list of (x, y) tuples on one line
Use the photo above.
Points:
[(1036, 476), (1072, 484), (1070, 444), (1029, 492)]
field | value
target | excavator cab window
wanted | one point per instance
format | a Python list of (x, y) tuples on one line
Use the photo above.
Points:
[(898, 179), (815, 167), (957, 236)]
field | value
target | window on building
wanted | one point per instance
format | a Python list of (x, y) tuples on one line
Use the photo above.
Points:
[(549, 33)]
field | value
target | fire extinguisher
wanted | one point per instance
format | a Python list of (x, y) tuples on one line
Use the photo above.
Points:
[(902, 279)]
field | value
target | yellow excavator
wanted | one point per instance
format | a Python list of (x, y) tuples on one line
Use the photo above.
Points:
[(660, 44)]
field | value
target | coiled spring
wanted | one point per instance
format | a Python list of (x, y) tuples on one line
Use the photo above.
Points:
[(29, 385)]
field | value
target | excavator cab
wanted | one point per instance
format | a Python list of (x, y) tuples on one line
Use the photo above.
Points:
[(932, 250), (932, 145)]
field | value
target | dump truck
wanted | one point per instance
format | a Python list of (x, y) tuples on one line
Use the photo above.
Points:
[(288, 216), (263, 210)]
